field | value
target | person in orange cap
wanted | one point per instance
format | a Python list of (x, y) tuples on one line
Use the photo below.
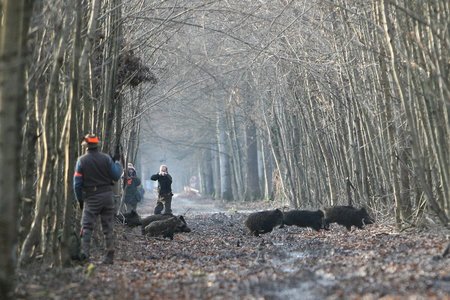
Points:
[(95, 173)]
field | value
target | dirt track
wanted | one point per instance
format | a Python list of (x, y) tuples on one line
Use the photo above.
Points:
[(219, 260), (183, 205)]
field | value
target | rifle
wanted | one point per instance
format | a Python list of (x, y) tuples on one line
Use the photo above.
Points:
[(118, 156)]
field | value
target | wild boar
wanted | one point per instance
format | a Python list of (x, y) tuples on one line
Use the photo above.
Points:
[(264, 221), (347, 216), (304, 218)]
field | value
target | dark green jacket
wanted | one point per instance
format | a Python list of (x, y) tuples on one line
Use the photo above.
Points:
[(132, 194)]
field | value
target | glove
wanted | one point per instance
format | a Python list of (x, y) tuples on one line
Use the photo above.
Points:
[(81, 202)]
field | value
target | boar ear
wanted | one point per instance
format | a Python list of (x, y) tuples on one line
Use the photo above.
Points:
[(181, 218)]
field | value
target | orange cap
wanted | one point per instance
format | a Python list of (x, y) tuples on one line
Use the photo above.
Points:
[(91, 139)]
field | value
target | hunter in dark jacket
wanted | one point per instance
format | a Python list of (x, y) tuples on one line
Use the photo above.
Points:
[(95, 173)]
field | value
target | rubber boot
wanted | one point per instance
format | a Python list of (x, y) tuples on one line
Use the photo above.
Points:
[(167, 207), (85, 246), (159, 207), (108, 259)]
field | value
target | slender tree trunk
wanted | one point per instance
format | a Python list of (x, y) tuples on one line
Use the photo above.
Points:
[(405, 187), (278, 184), (391, 130), (206, 173), (325, 151), (13, 29), (111, 62), (236, 161), (89, 115), (266, 170), (416, 148), (253, 191), (225, 176), (69, 240), (28, 169), (44, 192)]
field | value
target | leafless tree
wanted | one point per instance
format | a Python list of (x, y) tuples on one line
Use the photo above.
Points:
[(14, 20)]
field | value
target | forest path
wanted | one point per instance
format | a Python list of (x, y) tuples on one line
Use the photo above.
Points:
[(182, 205), (220, 260)]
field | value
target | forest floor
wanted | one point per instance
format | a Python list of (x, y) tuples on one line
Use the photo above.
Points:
[(220, 260)]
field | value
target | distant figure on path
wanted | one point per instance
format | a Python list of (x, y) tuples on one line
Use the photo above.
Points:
[(164, 190)]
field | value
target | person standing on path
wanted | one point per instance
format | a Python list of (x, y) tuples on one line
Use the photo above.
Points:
[(95, 173), (132, 193), (164, 191)]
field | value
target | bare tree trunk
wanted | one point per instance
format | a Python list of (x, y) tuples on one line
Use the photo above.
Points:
[(278, 185), (216, 170), (225, 176), (86, 71), (70, 228), (324, 149), (266, 166), (387, 25), (207, 174), (391, 133), (405, 187), (13, 30), (44, 192), (111, 62), (253, 191), (28, 170), (279, 134), (238, 181)]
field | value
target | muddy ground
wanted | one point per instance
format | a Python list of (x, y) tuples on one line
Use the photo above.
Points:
[(220, 260)]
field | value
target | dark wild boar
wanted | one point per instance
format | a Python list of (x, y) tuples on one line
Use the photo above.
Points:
[(166, 227), (347, 216), (264, 221), (304, 218), (150, 219)]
